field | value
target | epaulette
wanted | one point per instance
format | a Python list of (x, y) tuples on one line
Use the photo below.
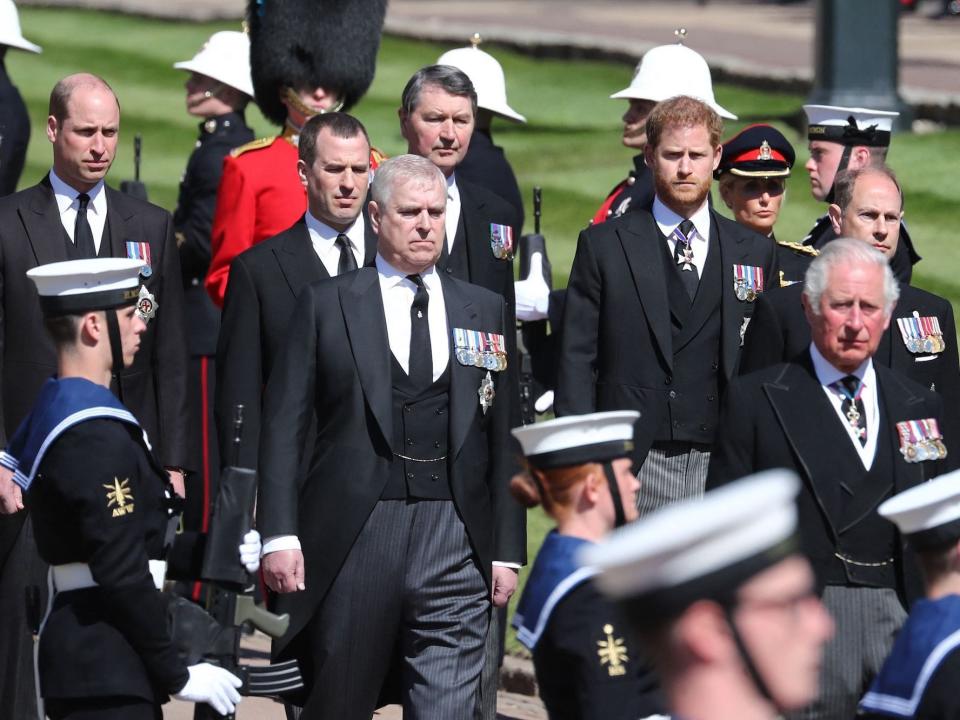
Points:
[(252, 145), (799, 248), (377, 156)]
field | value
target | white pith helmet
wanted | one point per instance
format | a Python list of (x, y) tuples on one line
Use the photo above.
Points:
[(10, 33), (666, 71), (225, 57), (486, 75)]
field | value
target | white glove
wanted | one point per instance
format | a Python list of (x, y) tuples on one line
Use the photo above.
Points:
[(212, 685), (533, 294), (250, 551)]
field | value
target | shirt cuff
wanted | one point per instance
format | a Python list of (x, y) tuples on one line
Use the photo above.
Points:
[(499, 563), (280, 542)]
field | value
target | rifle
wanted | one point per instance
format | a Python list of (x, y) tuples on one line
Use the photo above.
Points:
[(230, 597), (134, 187), (531, 331)]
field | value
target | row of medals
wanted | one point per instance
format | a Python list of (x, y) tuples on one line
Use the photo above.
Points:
[(927, 449), (488, 359), (928, 344), (744, 292)]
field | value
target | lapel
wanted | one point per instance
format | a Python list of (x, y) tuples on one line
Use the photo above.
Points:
[(734, 250), (638, 237), (811, 427), (898, 403), (298, 261), (464, 380), (42, 222), (362, 306), (122, 224)]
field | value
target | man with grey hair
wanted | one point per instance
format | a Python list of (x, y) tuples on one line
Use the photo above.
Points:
[(393, 548), (856, 432)]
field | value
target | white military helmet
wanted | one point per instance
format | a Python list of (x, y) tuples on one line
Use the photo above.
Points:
[(666, 71), (486, 75), (10, 34), (225, 57)]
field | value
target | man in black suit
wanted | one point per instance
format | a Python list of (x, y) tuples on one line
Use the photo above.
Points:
[(921, 344), (265, 280), (855, 432), (72, 214), (655, 307), (393, 547)]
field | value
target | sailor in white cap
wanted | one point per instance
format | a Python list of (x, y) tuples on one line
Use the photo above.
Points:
[(485, 163), (664, 71), (101, 511), (720, 596), (845, 138), (919, 678), (218, 89), (14, 121), (586, 664)]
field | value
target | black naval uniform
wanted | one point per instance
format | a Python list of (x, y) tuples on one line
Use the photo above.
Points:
[(14, 131), (97, 499), (192, 221), (486, 165)]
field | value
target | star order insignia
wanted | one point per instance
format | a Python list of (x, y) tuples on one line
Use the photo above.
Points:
[(146, 304), (486, 393), (612, 652), (119, 497), (686, 260)]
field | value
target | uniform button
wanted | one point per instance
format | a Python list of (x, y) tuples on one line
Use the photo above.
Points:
[(667, 380), (703, 427), (407, 408), (434, 477), (631, 180), (436, 443), (677, 423), (673, 394), (409, 441), (439, 411), (449, 271), (409, 476), (716, 365), (711, 398)]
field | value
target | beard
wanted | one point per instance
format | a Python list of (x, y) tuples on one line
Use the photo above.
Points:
[(682, 199)]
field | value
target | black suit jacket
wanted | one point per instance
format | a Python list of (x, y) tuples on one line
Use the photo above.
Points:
[(486, 165), (336, 361), (617, 351), (264, 284), (779, 417), (779, 331)]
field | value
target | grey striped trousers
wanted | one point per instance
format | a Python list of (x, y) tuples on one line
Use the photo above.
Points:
[(672, 471)]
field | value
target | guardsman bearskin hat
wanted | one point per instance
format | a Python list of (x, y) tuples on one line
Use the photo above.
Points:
[(313, 43)]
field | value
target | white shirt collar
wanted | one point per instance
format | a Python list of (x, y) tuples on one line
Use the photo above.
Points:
[(391, 276), (453, 192), (668, 220), (66, 195), (827, 374), (329, 235)]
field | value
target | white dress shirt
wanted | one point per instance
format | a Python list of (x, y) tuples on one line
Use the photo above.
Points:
[(668, 221), (68, 205), (452, 220), (398, 293), (324, 239), (827, 374)]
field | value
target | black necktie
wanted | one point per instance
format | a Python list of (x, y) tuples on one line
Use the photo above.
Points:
[(347, 261), (82, 234), (683, 254), (852, 406), (421, 356)]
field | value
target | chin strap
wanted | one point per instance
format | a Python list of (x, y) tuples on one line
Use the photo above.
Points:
[(841, 166), (752, 670), (620, 518), (116, 349)]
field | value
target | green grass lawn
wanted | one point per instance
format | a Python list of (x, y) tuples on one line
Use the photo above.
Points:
[(570, 146)]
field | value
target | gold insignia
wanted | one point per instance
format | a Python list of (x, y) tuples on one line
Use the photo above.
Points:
[(765, 153), (799, 248), (612, 652), (257, 144), (120, 497)]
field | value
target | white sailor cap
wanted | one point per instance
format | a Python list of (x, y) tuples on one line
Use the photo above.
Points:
[(225, 57), (578, 439), (666, 71), (929, 514), (79, 286), (487, 77), (701, 548), (10, 34), (849, 126)]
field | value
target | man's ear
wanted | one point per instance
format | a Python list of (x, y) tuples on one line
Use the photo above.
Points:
[(302, 172), (373, 213), (836, 218), (53, 128), (92, 327)]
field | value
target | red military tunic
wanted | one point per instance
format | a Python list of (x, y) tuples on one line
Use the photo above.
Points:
[(260, 195)]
